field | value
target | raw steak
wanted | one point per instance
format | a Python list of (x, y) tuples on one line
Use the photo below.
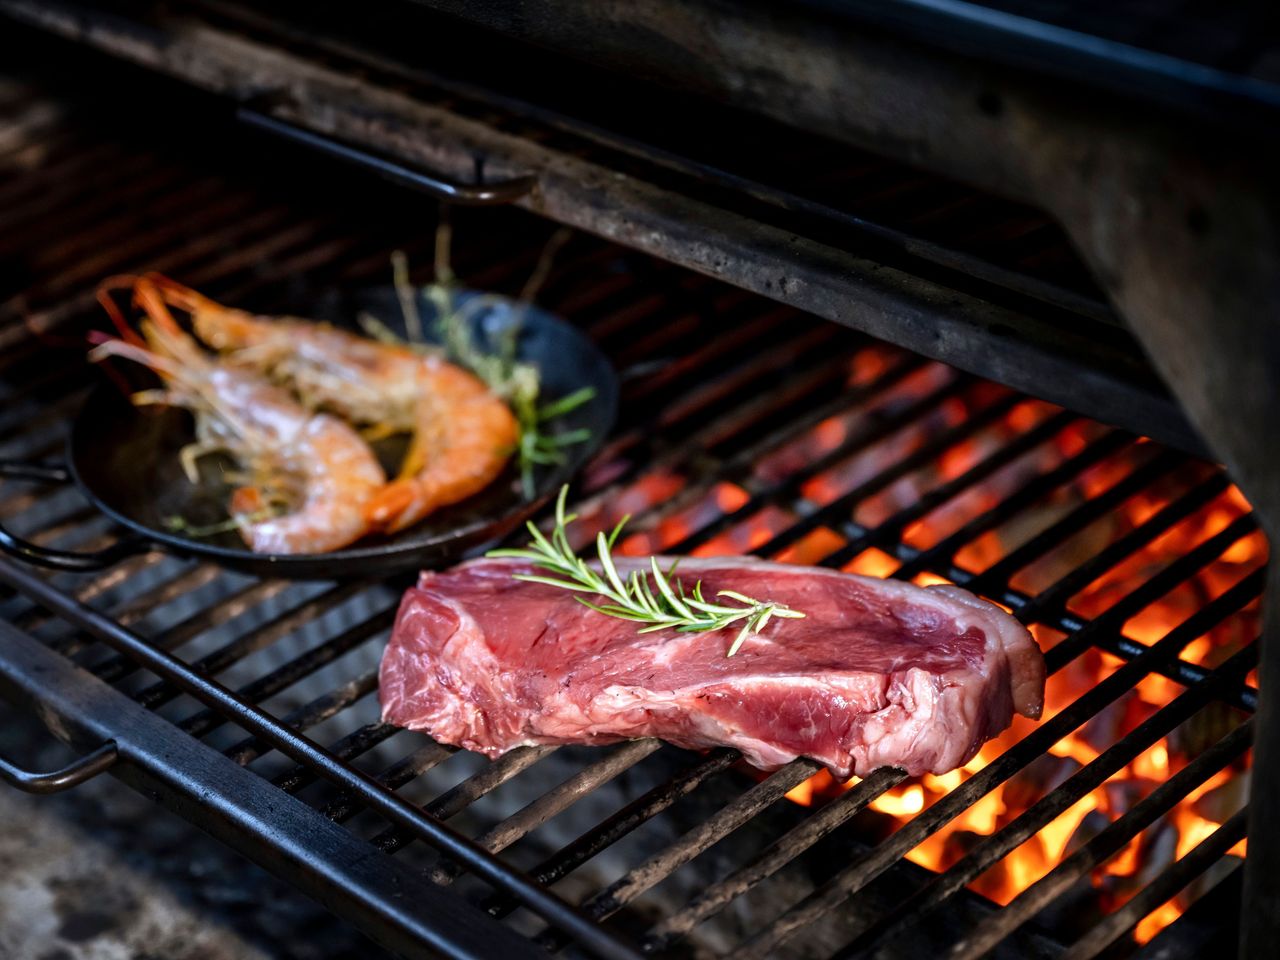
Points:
[(879, 673)]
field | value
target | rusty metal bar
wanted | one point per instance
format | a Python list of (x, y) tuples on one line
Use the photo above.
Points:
[(1106, 844), (1036, 817), (779, 853), (856, 877), (205, 722), (716, 828), (556, 800), (1196, 861), (232, 652), (309, 714)]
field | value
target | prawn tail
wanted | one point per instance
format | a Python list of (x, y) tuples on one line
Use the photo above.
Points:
[(246, 504), (397, 505)]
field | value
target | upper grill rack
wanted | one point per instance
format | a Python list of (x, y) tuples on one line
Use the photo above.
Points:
[(746, 428)]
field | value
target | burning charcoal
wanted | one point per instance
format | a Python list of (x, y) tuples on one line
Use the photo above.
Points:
[(1093, 824), (1217, 872), (1203, 730), (992, 883), (874, 826), (1220, 803), (1157, 849), (1109, 725), (1073, 913), (1123, 794), (958, 845), (1042, 775)]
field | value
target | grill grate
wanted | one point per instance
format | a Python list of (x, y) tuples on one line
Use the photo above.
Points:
[(746, 428)]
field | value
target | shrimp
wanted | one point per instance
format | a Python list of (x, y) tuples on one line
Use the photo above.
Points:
[(463, 435), (309, 476)]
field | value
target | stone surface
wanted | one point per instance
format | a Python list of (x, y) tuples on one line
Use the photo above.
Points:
[(101, 873)]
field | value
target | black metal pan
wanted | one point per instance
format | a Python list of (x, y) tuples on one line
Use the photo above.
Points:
[(125, 461)]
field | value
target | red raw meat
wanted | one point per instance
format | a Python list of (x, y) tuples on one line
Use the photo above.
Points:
[(879, 673)]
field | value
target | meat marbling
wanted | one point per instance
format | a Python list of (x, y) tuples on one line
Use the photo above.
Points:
[(879, 673)]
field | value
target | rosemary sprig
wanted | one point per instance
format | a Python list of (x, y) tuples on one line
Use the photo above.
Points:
[(515, 382), (662, 606)]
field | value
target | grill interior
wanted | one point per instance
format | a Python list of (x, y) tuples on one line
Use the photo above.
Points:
[(745, 428)]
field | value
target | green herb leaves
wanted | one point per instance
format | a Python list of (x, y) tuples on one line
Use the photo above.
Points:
[(654, 597), (516, 383)]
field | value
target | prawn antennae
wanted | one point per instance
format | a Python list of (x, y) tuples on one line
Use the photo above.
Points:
[(103, 294)]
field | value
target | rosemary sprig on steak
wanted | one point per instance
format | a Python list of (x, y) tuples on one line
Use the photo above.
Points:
[(665, 605)]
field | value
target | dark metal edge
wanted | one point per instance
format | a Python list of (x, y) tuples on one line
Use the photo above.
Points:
[(385, 898), (1037, 357)]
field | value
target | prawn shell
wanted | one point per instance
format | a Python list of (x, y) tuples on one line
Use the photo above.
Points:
[(125, 459)]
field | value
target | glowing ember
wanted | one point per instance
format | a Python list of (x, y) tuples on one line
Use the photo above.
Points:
[(847, 453), (1191, 822), (847, 460)]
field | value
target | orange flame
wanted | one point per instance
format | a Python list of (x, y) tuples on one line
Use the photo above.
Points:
[(1194, 818)]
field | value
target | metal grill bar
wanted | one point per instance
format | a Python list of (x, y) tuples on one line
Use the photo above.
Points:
[(205, 722), (1201, 857), (203, 621), (892, 528), (1000, 844), (1037, 609), (836, 512), (1002, 571), (780, 853), (397, 775), (304, 750), (1107, 843), (136, 608), (554, 801), (456, 799), (352, 745), (1169, 516), (862, 439), (717, 827), (560, 798), (230, 653), (856, 877), (1031, 492), (99, 585), (617, 826), (307, 716)]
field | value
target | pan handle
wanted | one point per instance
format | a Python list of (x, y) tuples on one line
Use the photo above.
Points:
[(55, 781), (66, 560), (475, 195), (69, 560)]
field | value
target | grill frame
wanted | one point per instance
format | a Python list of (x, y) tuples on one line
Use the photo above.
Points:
[(1059, 349), (403, 930)]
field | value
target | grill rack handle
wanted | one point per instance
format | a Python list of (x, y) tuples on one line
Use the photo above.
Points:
[(68, 561), (255, 112), (55, 781)]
